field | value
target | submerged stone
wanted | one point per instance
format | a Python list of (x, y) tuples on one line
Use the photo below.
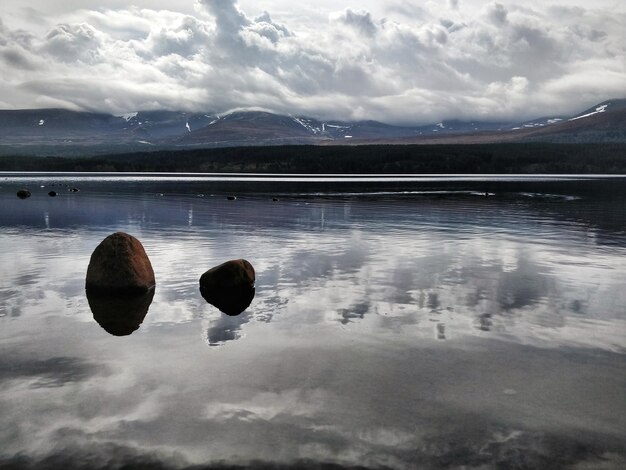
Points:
[(23, 193), (52, 193), (229, 286), (119, 265)]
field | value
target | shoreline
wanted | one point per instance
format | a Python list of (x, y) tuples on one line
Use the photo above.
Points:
[(357, 161)]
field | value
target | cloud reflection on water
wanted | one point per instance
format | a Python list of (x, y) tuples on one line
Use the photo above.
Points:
[(46, 373), (412, 268), (383, 333), (339, 414)]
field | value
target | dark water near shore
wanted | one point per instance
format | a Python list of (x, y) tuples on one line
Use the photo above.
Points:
[(397, 323)]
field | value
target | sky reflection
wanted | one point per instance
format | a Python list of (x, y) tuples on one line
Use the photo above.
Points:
[(446, 330)]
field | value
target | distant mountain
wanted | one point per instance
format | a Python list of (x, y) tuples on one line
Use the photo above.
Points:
[(262, 128), (154, 126), (602, 123), (58, 131), (605, 122), (34, 124), (248, 128)]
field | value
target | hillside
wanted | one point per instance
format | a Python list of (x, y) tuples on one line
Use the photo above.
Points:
[(72, 133)]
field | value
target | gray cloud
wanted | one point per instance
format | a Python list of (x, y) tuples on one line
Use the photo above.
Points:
[(269, 28), (122, 24), (75, 42), (497, 13), (360, 20), (417, 65), (405, 9), (229, 21), (16, 57), (186, 37)]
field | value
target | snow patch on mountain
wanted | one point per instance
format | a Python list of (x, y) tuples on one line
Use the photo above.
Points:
[(307, 125), (599, 109), (42, 122), (127, 116)]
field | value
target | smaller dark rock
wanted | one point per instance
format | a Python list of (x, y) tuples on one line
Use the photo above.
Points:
[(275, 199), (23, 193), (229, 286), (52, 193), (231, 198)]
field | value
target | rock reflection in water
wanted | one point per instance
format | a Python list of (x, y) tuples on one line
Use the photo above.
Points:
[(120, 315), (355, 312), (225, 328)]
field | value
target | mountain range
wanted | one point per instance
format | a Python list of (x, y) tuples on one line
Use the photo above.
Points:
[(60, 131)]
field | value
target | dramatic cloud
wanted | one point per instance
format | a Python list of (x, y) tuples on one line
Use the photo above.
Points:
[(392, 61), (360, 20), (70, 43)]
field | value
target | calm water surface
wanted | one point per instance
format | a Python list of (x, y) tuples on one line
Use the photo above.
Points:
[(397, 323)]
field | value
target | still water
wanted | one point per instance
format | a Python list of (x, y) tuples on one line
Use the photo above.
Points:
[(397, 323)]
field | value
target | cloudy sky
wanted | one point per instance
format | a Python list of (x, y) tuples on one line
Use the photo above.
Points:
[(398, 61)]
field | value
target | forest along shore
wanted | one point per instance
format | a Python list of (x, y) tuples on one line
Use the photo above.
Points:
[(534, 158)]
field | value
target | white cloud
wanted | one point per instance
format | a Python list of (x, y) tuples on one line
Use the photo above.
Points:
[(185, 37), (497, 14), (360, 20), (74, 42), (392, 61)]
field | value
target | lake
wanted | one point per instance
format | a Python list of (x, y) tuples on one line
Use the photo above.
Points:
[(398, 322)]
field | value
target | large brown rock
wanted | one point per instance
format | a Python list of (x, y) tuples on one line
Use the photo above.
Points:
[(229, 286), (119, 315), (119, 265)]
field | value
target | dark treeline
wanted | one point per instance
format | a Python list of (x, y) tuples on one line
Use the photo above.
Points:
[(489, 158)]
